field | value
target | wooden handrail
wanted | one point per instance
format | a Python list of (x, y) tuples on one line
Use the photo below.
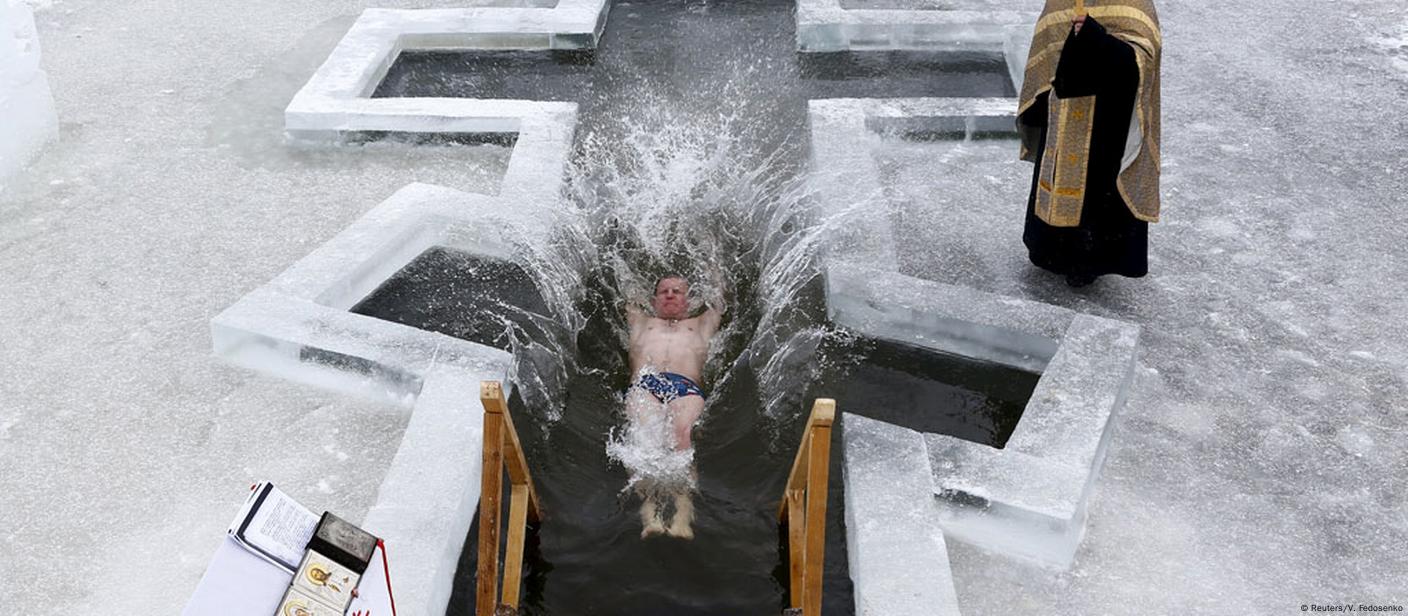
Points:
[(499, 435), (803, 509)]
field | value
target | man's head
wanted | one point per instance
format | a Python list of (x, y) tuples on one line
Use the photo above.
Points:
[(671, 299)]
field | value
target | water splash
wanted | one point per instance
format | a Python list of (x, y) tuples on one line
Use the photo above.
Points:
[(646, 446), (669, 190)]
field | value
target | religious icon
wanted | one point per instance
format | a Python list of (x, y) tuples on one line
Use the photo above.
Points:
[(326, 580), (322, 577), (293, 608), (300, 604)]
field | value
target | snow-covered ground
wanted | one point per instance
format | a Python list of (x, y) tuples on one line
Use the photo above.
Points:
[(1259, 465), (125, 446)]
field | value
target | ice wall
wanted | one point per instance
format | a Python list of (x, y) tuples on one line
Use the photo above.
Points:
[(1027, 500), (898, 557), (297, 326), (979, 25), (25, 102)]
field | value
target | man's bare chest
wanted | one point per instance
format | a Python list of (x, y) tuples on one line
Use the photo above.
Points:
[(668, 333)]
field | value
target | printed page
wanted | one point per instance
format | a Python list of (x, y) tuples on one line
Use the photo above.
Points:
[(278, 526)]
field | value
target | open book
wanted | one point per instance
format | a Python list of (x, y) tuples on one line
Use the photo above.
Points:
[(274, 526), (255, 563)]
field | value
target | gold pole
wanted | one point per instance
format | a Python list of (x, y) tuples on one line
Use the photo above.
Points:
[(1080, 8)]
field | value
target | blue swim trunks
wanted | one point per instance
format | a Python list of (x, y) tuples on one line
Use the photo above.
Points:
[(667, 386)]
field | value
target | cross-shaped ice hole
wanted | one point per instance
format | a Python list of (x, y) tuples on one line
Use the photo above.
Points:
[(341, 99)]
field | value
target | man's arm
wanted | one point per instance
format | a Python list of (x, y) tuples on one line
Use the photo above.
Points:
[(635, 316), (715, 306), (709, 321)]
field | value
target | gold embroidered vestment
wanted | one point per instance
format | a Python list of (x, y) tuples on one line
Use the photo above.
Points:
[(1061, 185)]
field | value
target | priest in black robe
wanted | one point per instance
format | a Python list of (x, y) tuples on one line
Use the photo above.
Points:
[(1089, 118)]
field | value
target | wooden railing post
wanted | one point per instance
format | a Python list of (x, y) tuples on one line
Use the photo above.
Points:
[(490, 488), (796, 544), (803, 509), (818, 471), (500, 435)]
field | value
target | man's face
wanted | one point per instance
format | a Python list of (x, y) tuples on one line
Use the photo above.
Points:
[(671, 299)]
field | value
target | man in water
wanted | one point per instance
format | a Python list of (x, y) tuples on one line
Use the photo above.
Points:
[(667, 352)]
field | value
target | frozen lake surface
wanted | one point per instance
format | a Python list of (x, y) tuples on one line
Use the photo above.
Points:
[(1258, 466)]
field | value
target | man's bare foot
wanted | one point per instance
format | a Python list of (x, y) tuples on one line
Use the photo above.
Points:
[(650, 520), (680, 530), (684, 518)]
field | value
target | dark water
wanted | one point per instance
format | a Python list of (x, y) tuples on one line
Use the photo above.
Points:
[(587, 557), (732, 69), (931, 392), (719, 59), (459, 294), (574, 75), (505, 74)]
